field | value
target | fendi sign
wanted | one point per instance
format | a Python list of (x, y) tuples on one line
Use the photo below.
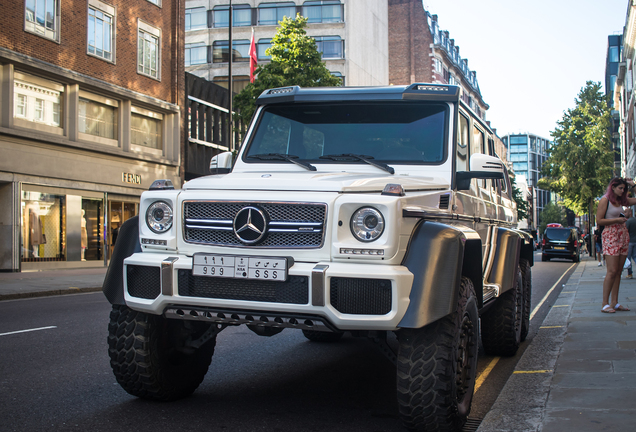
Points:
[(131, 178)]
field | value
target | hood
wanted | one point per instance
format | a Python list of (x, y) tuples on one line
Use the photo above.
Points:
[(341, 182)]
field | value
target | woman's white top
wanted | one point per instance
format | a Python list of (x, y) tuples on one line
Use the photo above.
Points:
[(613, 211)]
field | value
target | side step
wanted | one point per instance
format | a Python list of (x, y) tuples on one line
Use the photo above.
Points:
[(491, 291)]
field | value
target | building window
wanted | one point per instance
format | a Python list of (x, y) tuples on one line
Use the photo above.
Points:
[(42, 18), (339, 75), (272, 13), (331, 47), (520, 166), (37, 99), (522, 139), (241, 16), (145, 129), (148, 50), (240, 51), (97, 116), (155, 2), (196, 18), (613, 54), (239, 82), (261, 47), (323, 11), (437, 65), (196, 54), (101, 30)]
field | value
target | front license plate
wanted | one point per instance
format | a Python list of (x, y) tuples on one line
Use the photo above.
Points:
[(559, 248), (240, 267)]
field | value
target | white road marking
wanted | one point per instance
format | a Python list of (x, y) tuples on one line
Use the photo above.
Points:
[(549, 292), (28, 330)]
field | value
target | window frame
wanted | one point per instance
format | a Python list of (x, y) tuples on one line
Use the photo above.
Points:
[(235, 43), (42, 30), (277, 6), (225, 9), (145, 28), (320, 41), (320, 4), (188, 11), (102, 100), (138, 148), (188, 53), (43, 86), (112, 13)]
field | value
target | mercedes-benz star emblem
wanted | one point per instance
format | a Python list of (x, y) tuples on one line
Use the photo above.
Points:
[(250, 225)]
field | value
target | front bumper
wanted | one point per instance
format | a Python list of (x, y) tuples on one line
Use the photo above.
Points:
[(347, 296)]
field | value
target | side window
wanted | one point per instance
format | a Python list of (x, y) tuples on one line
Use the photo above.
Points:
[(478, 146), (461, 160)]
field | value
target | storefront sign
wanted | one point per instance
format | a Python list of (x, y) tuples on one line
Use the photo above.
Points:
[(131, 178)]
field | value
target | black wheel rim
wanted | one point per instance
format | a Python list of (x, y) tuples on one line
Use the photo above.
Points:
[(464, 359)]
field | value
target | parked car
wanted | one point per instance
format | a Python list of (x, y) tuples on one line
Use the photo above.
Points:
[(561, 243)]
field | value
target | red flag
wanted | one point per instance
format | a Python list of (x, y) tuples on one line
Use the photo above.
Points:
[(253, 58)]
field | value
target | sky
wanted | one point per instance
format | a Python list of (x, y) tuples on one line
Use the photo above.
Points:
[(532, 57)]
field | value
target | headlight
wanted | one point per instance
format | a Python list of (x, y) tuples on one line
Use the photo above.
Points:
[(159, 217), (367, 224)]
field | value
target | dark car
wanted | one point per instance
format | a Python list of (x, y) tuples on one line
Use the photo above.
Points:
[(561, 243)]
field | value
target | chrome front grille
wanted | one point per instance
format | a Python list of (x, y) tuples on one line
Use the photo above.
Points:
[(296, 225)]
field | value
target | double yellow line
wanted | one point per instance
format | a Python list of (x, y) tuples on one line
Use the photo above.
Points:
[(484, 374)]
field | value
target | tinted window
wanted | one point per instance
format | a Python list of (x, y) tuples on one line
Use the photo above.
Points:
[(400, 132), (557, 234)]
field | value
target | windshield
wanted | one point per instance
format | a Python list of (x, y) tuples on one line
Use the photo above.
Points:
[(559, 234), (390, 132)]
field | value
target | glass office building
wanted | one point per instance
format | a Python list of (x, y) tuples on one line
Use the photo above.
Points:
[(528, 152)]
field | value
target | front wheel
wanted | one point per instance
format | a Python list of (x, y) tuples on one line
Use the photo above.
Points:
[(149, 357), (526, 274), (437, 367)]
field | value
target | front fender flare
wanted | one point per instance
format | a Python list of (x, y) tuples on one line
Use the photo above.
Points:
[(127, 244)]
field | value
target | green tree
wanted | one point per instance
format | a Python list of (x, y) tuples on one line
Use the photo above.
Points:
[(522, 202), (295, 61), (580, 162), (552, 213)]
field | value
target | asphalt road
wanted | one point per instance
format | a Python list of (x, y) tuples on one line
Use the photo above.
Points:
[(57, 376)]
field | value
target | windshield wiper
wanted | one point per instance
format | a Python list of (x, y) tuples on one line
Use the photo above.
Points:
[(282, 156), (363, 158)]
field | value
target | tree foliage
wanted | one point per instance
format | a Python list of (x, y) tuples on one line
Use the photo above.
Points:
[(295, 60), (580, 162), (523, 210), (552, 213)]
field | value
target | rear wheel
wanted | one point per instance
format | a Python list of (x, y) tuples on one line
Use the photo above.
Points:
[(437, 366), (149, 357), (501, 325), (526, 274)]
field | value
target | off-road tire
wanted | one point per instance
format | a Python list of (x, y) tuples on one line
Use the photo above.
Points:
[(526, 274), (436, 368), (148, 358), (318, 336), (501, 325)]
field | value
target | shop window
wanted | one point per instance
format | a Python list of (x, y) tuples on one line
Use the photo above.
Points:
[(323, 11), (97, 117), (272, 13), (101, 34), (42, 17), (37, 100), (145, 129), (118, 213), (148, 50), (43, 227)]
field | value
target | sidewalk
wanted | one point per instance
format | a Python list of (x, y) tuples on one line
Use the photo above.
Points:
[(579, 372), (50, 282)]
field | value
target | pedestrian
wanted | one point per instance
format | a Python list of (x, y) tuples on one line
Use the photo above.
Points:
[(615, 238), (598, 244)]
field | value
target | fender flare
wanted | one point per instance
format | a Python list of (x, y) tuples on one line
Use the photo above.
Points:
[(435, 256), (507, 245), (127, 244)]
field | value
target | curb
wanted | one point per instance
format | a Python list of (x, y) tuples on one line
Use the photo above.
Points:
[(64, 291)]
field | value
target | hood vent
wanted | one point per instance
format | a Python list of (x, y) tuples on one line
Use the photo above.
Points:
[(444, 201)]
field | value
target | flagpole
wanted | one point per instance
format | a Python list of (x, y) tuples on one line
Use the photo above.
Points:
[(230, 83)]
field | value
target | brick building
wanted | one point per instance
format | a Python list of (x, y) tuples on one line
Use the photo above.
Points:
[(91, 97)]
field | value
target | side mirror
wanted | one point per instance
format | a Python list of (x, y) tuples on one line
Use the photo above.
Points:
[(221, 163), (482, 166)]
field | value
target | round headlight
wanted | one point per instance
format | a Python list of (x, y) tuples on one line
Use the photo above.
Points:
[(367, 224), (159, 217)]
